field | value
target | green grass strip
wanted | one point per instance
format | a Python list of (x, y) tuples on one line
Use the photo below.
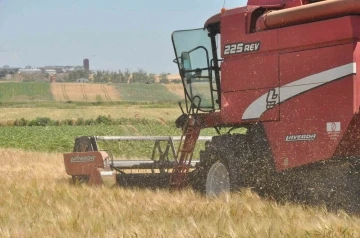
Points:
[(146, 92), (20, 92)]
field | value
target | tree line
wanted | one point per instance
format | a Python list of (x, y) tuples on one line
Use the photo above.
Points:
[(120, 76)]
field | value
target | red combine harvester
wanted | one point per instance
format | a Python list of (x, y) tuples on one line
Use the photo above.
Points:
[(285, 71)]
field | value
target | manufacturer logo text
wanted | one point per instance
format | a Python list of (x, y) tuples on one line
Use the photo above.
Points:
[(76, 159), (241, 47), (306, 137)]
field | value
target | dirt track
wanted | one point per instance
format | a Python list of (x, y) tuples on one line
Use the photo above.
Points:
[(84, 92)]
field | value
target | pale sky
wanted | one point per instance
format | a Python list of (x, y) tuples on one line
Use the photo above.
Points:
[(113, 34)]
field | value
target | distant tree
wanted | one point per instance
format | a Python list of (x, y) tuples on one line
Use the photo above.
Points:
[(107, 77), (3, 74), (97, 76), (151, 78), (127, 76), (76, 74), (122, 77), (140, 76), (112, 76), (102, 76), (164, 78), (119, 76)]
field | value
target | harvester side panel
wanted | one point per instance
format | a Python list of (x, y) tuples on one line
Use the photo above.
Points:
[(325, 110), (251, 72), (245, 77), (299, 82), (82, 163), (356, 88), (236, 104), (88, 164), (233, 31), (350, 142), (317, 34), (287, 3), (316, 105)]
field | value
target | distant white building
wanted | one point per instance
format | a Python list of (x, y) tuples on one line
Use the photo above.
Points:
[(82, 80), (60, 69), (75, 68), (8, 76), (50, 71), (29, 71)]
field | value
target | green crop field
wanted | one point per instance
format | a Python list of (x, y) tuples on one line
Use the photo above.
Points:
[(61, 138), (15, 92), (19, 92), (146, 92)]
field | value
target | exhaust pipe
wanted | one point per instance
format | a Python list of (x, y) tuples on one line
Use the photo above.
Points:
[(307, 13)]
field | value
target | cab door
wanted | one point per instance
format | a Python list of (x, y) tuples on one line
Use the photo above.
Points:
[(193, 51)]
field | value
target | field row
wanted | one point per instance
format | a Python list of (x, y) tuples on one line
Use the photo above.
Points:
[(80, 92), (61, 138), (10, 114), (25, 92)]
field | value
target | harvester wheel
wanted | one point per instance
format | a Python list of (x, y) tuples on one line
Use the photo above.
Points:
[(217, 180), (212, 175), (233, 162)]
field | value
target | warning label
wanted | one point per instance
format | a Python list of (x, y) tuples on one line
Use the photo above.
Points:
[(333, 129)]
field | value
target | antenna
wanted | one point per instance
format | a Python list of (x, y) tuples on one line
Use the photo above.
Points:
[(224, 3)]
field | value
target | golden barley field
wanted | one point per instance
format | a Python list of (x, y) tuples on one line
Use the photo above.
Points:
[(37, 200), (91, 112), (84, 92)]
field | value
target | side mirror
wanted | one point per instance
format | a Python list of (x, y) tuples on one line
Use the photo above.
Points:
[(185, 60)]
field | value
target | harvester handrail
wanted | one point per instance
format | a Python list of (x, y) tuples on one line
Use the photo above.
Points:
[(145, 138), (145, 164)]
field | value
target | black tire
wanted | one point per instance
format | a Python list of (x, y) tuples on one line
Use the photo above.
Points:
[(212, 175), (247, 158)]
